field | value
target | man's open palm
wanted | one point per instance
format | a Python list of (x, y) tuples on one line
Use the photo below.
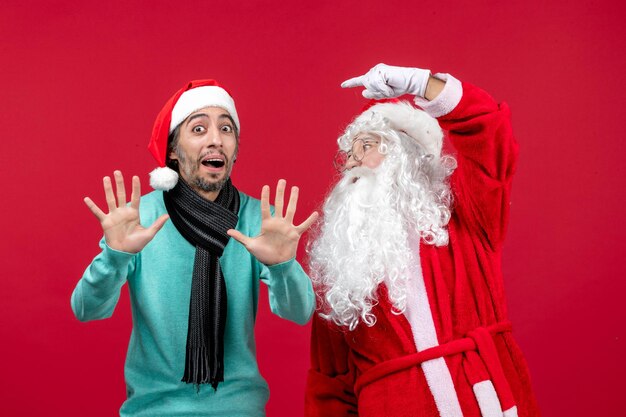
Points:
[(121, 226), (279, 237)]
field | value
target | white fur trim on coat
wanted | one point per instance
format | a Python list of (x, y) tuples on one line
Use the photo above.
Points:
[(419, 316), (487, 399)]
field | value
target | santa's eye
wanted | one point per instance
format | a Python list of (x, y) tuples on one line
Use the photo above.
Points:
[(227, 128), (369, 144), (198, 129)]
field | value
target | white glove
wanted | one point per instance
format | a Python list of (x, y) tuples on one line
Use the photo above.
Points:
[(386, 81)]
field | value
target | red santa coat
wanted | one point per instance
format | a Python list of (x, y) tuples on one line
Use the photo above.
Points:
[(472, 366)]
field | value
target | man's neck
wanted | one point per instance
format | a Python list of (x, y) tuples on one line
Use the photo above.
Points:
[(208, 195)]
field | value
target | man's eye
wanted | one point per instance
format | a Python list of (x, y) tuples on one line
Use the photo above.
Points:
[(227, 128), (198, 129)]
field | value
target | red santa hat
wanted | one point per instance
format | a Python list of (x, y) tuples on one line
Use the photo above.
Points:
[(192, 97), (404, 117)]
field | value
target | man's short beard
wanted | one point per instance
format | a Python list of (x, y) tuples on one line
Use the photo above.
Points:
[(370, 219), (204, 185), (197, 181)]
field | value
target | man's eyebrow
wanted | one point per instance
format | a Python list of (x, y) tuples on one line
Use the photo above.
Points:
[(196, 116), (227, 116), (221, 116)]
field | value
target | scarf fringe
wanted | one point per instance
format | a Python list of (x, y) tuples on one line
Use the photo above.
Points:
[(198, 371)]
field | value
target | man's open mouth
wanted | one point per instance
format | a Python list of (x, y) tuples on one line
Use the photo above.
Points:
[(213, 162)]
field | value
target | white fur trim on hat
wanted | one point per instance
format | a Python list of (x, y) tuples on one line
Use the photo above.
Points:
[(199, 98), (415, 123), (163, 178)]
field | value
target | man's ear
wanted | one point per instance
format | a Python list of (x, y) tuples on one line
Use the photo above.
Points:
[(172, 156)]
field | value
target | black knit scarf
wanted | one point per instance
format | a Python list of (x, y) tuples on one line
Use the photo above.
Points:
[(204, 224)]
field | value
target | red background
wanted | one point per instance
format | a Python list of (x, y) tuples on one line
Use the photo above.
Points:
[(82, 82)]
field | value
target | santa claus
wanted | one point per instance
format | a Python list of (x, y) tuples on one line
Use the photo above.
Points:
[(406, 263)]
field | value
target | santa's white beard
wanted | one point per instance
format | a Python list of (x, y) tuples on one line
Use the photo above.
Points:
[(362, 242)]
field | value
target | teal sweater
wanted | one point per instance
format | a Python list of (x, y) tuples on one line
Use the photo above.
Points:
[(159, 281)]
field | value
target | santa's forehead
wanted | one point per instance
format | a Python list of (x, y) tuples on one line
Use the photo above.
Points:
[(347, 140)]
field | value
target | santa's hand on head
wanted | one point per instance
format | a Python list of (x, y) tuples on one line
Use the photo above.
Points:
[(386, 81)]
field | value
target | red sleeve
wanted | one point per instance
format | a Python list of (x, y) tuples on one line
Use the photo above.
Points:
[(330, 381), (480, 130)]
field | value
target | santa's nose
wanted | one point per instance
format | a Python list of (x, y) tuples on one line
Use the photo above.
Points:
[(351, 163)]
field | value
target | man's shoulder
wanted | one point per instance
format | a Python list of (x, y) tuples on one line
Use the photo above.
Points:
[(153, 197), (152, 206), (249, 214), (247, 203)]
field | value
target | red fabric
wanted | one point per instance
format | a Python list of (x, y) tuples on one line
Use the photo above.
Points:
[(464, 285), (489, 354), (474, 368), (374, 102), (469, 345)]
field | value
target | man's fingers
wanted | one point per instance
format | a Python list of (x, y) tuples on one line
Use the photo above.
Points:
[(136, 194), (108, 193), (293, 203), (302, 227), (279, 200), (158, 224), (121, 190), (238, 236), (265, 203), (353, 82), (94, 208)]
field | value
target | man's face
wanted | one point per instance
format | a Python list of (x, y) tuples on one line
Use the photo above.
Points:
[(206, 150)]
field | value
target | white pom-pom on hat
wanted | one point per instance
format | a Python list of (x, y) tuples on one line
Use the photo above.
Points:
[(163, 178)]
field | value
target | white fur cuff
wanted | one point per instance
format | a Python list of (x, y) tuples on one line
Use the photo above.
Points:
[(446, 101)]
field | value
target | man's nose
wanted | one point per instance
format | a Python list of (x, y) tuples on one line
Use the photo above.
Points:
[(214, 137)]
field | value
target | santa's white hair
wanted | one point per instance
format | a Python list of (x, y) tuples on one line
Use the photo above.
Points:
[(368, 219)]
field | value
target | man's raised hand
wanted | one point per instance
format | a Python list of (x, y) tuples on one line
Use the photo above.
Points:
[(279, 237), (121, 226)]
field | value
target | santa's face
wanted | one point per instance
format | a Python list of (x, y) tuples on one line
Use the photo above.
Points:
[(206, 150), (364, 152)]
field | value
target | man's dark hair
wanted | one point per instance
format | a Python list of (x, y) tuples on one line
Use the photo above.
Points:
[(172, 142)]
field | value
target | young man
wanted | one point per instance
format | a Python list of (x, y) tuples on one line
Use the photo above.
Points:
[(406, 263), (193, 291)]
